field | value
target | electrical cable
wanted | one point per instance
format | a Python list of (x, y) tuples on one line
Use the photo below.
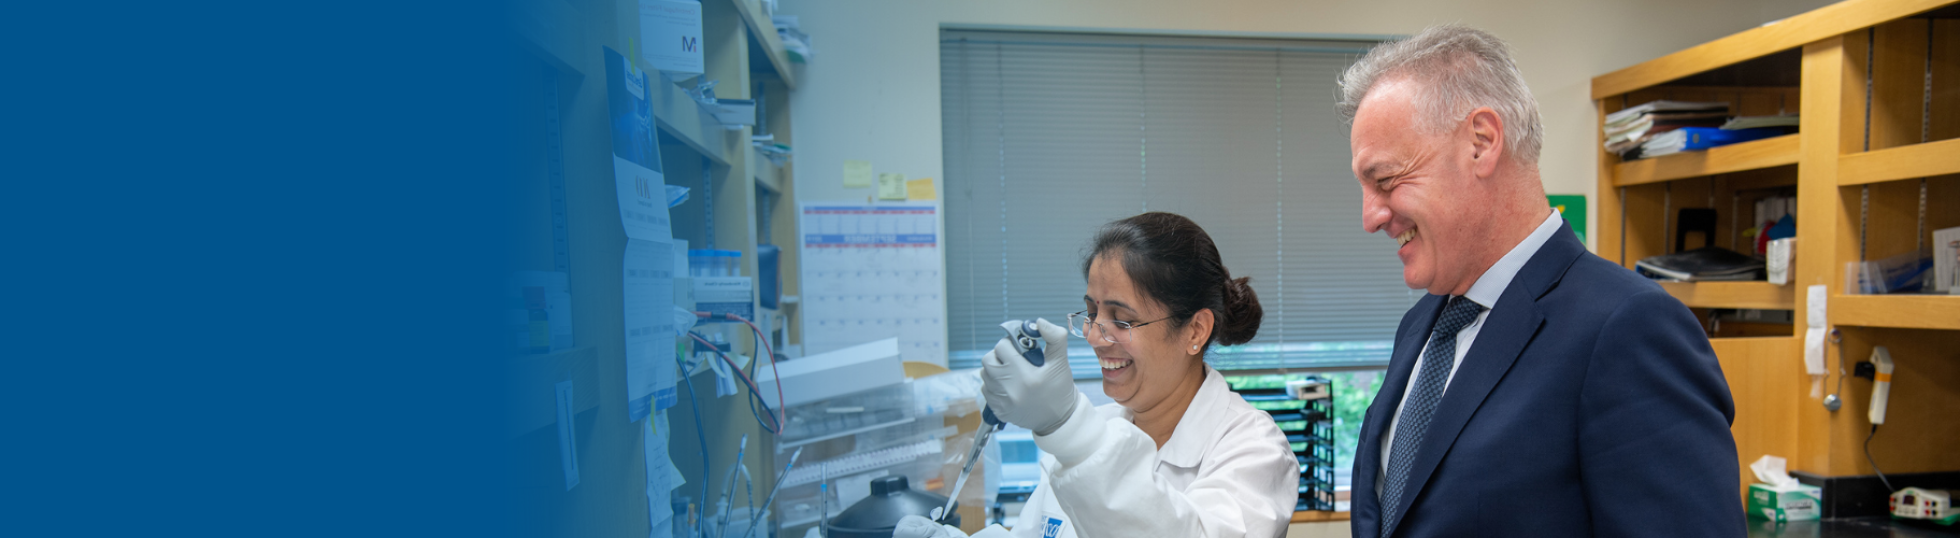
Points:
[(782, 411), (778, 416), (701, 435), (1874, 462), (766, 348), (754, 392)]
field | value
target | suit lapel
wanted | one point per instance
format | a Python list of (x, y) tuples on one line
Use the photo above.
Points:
[(1402, 360), (1511, 325)]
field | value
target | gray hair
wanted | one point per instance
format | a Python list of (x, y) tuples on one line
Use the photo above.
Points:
[(1457, 69)]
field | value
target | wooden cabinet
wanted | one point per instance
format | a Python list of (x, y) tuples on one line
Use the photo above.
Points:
[(1875, 168)]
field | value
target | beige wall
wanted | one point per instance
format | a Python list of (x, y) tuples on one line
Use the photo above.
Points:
[(872, 91)]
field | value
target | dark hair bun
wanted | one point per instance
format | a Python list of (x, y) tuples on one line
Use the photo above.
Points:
[(1240, 320), (1173, 261)]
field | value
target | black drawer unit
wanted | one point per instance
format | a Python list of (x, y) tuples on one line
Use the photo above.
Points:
[(1303, 407)]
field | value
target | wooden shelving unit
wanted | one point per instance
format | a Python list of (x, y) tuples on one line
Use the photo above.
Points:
[(1750, 295), (738, 201), (1904, 162), (1878, 85), (763, 31), (1899, 311), (1742, 157), (767, 175)]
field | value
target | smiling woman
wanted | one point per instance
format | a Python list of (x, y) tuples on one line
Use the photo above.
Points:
[(1178, 453), (1160, 269)]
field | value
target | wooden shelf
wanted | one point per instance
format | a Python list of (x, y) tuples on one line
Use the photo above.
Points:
[(681, 117), (1753, 155), (1316, 516), (767, 175), (764, 32), (1821, 23), (1906, 311), (1904, 162), (1751, 295)]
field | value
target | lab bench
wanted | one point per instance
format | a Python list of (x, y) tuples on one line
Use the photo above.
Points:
[(1850, 527)]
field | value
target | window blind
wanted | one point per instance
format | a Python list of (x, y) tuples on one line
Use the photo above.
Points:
[(1048, 136)]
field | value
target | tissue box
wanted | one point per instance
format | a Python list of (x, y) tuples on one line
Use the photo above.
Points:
[(1796, 502)]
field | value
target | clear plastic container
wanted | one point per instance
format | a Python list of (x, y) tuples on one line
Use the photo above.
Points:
[(709, 263)]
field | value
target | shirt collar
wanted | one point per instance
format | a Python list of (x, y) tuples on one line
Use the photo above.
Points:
[(1193, 435), (1491, 285)]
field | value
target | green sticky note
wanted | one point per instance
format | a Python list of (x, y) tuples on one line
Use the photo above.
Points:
[(1573, 208), (891, 186), (857, 174)]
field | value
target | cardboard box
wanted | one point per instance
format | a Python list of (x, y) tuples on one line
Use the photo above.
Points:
[(1797, 502)]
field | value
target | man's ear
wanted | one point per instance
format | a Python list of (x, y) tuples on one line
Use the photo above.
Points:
[(1487, 141)]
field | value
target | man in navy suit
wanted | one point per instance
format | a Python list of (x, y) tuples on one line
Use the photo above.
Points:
[(1538, 390)]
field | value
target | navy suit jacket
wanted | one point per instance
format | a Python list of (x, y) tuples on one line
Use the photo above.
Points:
[(1590, 404)]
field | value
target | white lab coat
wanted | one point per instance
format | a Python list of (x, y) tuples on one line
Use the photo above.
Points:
[(1226, 472)]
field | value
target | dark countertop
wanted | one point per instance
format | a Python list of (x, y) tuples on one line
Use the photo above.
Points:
[(1857, 527)]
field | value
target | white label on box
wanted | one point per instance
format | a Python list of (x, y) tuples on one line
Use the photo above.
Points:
[(723, 289), (670, 35)]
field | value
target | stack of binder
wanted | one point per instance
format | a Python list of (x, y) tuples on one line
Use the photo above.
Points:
[(1663, 127), (1694, 138), (1628, 130)]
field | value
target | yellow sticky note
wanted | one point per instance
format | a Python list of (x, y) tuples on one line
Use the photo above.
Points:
[(920, 189), (857, 174), (891, 186)]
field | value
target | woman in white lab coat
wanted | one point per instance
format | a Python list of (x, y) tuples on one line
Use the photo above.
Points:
[(1178, 454)]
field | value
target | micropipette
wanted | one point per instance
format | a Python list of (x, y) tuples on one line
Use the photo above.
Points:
[(729, 488), (1026, 337), (757, 520)]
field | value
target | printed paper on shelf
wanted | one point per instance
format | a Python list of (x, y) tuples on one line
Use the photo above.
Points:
[(1816, 325), (659, 488), (567, 434), (642, 201), (637, 178), (649, 297)]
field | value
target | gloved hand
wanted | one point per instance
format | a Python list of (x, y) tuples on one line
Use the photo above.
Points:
[(923, 527), (1039, 398)]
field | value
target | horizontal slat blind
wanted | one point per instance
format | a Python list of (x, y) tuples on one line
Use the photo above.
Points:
[(1048, 136)]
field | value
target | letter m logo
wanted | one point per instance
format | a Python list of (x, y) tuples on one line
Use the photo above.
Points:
[(690, 43)]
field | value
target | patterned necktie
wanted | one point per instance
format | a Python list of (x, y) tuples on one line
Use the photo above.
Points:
[(1420, 405)]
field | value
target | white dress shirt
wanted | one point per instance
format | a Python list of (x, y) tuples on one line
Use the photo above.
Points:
[(1485, 291)]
